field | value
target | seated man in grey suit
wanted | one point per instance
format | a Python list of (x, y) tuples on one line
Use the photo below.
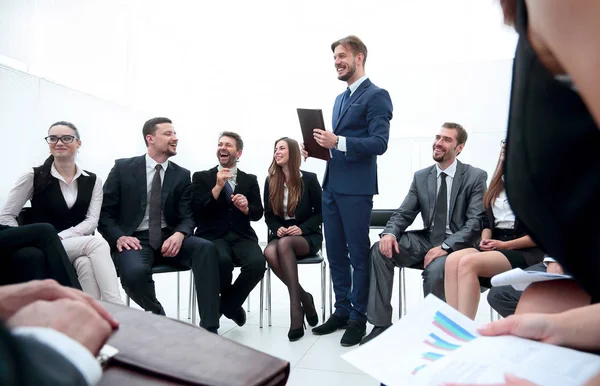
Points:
[(449, 196)]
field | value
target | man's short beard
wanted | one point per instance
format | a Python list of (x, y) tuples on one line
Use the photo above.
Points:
[(348, 75)]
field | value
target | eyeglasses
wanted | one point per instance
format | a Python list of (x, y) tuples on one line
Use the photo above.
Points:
[(503, 142), (54, 139)]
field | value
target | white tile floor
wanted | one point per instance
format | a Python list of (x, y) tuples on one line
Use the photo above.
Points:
[(314, 360)]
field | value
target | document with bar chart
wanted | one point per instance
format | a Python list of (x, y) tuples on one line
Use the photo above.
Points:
[(436, 344)]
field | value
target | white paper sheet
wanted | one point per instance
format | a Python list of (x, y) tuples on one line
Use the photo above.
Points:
[(520, 279), (437, 344)]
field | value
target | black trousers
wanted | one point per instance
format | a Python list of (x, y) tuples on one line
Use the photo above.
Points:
[(135, 270), (33, 252), (237, 251)]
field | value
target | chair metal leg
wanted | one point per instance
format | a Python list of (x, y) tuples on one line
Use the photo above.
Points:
[(248, 301), (190, 297), (323, 288), (400, 305), (127, 300), (193, 303), (261, 302), (269, 295), (178, 295), (330, 293), (404, 289)]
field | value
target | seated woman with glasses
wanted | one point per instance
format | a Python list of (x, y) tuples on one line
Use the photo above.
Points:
[(293, 215), (504, 245), (69, 198)]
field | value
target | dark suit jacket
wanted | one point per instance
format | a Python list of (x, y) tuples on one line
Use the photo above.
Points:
[(126, 197), (307, 215), (215, 218), (26, 361), (532, 255), (365, 123), (465, 206)]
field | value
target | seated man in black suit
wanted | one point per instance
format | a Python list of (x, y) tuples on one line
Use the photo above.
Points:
[(146, 216), (45, 335), (449, 196), (31, 252), (225, 200)]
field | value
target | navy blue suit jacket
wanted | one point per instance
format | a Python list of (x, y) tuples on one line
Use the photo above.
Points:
[(365, 122)]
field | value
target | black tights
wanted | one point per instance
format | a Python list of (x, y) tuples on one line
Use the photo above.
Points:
[(281, 256)]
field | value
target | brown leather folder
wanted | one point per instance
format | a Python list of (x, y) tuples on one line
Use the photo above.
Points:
[(155, 350), (311, 119)]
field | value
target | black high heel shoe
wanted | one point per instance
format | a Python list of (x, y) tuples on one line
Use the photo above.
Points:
[(312, 320), (296, 333)]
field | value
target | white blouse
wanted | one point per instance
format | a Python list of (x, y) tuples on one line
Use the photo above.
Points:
[(285, 201), (504, 218), (23, 192)]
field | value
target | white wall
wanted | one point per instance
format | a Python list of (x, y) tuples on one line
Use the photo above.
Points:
[(246, 66)]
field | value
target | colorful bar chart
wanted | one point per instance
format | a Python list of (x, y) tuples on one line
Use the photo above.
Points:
[(446, 330)]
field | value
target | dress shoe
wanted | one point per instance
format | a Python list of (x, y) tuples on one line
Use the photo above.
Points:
[(334, 323), (354, 333), (238, 316), (214, 330), (312, 320), (373, 334)]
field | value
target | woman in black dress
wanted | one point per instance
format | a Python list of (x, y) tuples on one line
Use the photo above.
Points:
[(292, 200)]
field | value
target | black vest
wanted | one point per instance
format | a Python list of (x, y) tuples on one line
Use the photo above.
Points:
[(49, 205)]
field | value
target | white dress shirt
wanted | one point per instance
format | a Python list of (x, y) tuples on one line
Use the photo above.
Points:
[(150, 170), (72, 350), (285, 201), (353, 87), (504, 218), (233, 180), (450, 172), (23, 192)]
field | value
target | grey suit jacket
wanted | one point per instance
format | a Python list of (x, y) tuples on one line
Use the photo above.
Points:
[(465, 206)]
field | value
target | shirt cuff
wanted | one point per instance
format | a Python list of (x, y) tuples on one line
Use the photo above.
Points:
[(548, 259), (341, 143), (72, 350), (65, 234)]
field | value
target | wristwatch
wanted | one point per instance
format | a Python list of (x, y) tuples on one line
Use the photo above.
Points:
[(446, 248)]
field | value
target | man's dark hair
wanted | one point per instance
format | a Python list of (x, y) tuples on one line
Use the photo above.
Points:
[(461, 133), (354, 44), (239, 144), (150, 126)]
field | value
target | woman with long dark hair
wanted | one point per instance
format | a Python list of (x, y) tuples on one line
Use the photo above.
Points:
[(69, 198), (504, 245), (293, 215)]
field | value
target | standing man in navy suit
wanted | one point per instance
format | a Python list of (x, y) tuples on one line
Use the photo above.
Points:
[(361, 128)]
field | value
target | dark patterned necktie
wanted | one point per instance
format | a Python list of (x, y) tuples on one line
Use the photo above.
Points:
[(154, 223), (441, 209), (228, 191)]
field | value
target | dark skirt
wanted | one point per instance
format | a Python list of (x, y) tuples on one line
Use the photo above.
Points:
[(313, 248)]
